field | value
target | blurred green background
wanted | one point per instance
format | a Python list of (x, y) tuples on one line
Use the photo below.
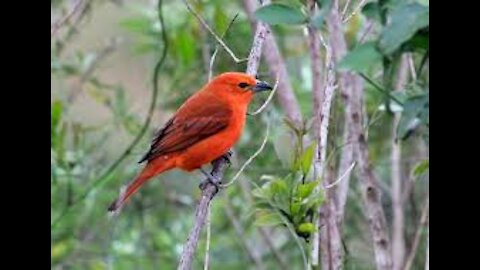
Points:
[(102, 62)]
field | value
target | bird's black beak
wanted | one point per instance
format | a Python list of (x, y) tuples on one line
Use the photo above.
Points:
[(261, 86)]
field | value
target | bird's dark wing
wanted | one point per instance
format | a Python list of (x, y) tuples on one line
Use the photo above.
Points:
[(189, 126)]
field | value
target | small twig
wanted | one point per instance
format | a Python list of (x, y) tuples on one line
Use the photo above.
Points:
[(369, 28), (423, 61), (276, 65), (418, 233), (217, 48), (59, 23), (345, 8), (207, 247), (87, 74), (347, 172), (379, 88), (264, 105), (354, 11), (411, 66), (219, 40), (252, 157)]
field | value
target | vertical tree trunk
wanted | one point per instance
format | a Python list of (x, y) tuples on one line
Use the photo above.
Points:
[(353, 98), (398, 238)]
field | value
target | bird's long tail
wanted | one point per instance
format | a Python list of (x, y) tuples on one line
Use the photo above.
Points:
[(150, 170)]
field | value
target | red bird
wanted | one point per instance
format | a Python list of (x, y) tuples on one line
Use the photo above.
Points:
[(203, 129)]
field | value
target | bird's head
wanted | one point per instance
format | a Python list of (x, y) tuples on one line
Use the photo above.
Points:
[(240, 86)]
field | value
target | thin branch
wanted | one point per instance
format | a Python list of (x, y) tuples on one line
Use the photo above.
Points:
[(219, 165), (249, 160), (219, 40), (217, 48), (398, 223), (367, 31), (105, 176), (411, 65), (59, 23), (264, 105), (353, 97), (347, 172), (329, 235), (423, 61), (427, 260), (345, 8), (418, 234), (379, 88), (359, 6), (318, 97), (86, 75), (276, 65), (207, 247)]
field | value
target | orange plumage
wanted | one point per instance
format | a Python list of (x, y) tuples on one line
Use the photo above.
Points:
[(204, 128)]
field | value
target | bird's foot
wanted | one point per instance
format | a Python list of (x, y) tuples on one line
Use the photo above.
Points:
[(210, 179), (227, 157)]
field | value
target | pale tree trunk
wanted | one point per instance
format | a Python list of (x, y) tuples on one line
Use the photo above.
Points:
[(347, 81), (330, 236), (353, 97), (318, 97), (398, 237)]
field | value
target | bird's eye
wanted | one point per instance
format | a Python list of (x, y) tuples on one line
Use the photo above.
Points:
[(242, 85)]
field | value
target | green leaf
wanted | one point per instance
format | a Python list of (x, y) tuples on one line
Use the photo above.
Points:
[(137, 24), (318, 20), (304, 190), (56, 115), (183, 46), (361, 58), (266, 218), (421, 167), (295, 208), (419, 42), (307, 227), (280, 14), (284, 147), (406, 21), (372, 11), (278, 187), (220, 19), (415, 113), (307, 158)]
